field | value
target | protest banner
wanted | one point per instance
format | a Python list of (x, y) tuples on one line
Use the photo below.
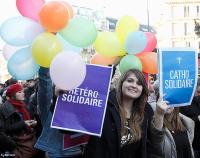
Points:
[(83, 108), (178, 70)]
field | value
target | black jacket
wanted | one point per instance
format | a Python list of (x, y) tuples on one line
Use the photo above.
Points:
[(11, 124), (10, 121), (193, 111), (6, 143), (108, 145)]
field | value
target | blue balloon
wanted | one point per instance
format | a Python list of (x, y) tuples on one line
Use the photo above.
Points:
[(135, 42), (21, 65), (20, 31), (67, 46)]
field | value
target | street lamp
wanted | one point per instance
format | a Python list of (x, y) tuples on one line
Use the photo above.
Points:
[(148, 14)]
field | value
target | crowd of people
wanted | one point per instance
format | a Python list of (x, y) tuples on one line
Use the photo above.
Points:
[(137, 123)]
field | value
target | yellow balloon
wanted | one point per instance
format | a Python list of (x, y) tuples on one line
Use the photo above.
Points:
[(108, 44), (44, 48), (124, 26)]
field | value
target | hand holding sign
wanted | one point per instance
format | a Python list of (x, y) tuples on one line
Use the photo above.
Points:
[(161, 106)]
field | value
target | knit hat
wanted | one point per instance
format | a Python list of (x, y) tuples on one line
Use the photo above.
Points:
[(13, 89)]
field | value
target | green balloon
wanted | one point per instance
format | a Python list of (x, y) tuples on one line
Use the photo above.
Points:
[(130, 62), (79, 32)]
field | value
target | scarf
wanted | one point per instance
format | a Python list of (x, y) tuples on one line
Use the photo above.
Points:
[(21, 107)]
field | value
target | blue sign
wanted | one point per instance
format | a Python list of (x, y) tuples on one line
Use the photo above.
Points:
[(178, 74), (83, 108)]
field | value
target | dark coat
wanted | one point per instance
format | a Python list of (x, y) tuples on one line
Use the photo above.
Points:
[(11, 121), (193, 111), (11, 124), (6, 142), (108, 145), (27, 94)]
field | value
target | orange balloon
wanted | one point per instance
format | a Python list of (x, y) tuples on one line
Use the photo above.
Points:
[(69, 8), (102, 60), (149, 62), (54, 16)]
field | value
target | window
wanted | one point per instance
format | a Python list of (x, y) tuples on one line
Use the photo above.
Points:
[(185, 29), (172, 12), (186, 11), (197, 11), (173, 32), (173, 44), (187, 44)]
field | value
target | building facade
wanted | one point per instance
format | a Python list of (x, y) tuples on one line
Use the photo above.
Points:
[(182, 16)]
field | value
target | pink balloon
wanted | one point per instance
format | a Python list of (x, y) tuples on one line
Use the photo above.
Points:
[(30, 8), (151, 42)]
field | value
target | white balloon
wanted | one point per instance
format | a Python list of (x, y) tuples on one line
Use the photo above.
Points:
[(9, 50), (67, 70)]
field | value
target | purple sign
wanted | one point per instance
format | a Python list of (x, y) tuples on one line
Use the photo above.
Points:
[(83, 108)]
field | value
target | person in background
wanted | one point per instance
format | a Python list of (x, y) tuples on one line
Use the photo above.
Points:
[(152, 99), (150, 85), (127, 120), (10, 82), (2, 86), (15, 124), (1, 92), (51, 139), (29, 90), (171, 133), (193, 112)]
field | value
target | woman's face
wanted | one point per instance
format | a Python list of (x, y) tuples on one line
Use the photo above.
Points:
[(131, 87), (20, 95)]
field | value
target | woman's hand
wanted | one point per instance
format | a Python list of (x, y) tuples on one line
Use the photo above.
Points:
[(161, 106), (58, 91)]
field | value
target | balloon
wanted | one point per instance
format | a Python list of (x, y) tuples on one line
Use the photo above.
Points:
[(9, 50), (124, 26), (108, 44), (69, 9), (130, 62), (67, 46), (80, 32), (149, 62), (30, 8), (151, 42), (67, 70), (102, 60), (135, 42), (54, 16), (44, 48), (20, 31), (21, 65)]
